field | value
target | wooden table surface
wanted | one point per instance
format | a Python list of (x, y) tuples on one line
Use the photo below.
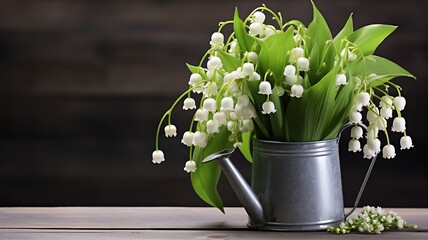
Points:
[(106, 223)]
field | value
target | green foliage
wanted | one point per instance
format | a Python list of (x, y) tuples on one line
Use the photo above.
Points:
[(323, 108)]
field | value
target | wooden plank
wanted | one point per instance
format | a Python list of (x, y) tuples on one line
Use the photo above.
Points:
[(194, 234), (149, 218)]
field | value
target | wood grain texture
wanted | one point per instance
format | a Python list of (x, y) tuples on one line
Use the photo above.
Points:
[(150, 218), (165, 223)]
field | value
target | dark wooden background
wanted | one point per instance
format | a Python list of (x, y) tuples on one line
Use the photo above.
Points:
[(83, 85)]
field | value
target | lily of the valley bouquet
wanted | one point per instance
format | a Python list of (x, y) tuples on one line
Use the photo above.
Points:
[(279, 80)]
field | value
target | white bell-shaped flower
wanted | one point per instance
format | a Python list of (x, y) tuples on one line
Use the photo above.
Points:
[(212, 126), (217, 40), (265, 88), (303, 64), (189, 103), (296, 53), (253, 57), (406, 142), (170, 131), (399, 124), (354, 145), (374, 144), (214, 63), (200, 139), (158, 156), (356, 132), (368, 152), (187, 138), (340, 79), (350, 56), (209, 104), (190, 166), (291, 80), (388, 151), (201, 115), (296, 91), (258, 17), (195, 78), (248, 69), (256, 29), (399, 103), (355, 117), (385, 101), (254, 77), (386, 112), (269, 31), (289, 70), (220, 117), (363, 98), (227, 104), (268, 107)]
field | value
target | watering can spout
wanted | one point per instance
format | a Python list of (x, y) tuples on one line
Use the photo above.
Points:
[(240, 186)]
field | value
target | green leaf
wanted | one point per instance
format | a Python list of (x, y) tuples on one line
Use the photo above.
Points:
[(245, 148), (245, 41), (230, 63), (205, 178), (306, 118), (385, 70), (318, 30), (345, 32), (369, 37), (342, 107), (273, 54)]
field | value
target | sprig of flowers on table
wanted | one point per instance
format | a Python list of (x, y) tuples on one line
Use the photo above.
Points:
[(287, 82), (372, 220)]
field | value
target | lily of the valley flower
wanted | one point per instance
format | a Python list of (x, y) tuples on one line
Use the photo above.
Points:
[(296, 90), (226, 103), (158, 156), (212, 126), (303, 64), (209, 104), (355, 117), (399, 103), (190, 166), (201, 115), (388, 151), (170, 131), (296, 53), (220, 117), (386, 112), (399, 124), (214, 63), (356, 132), (187, 138), (354, 145), (217, 41), (268, 107), (340, 79), (363, 98), (406, 142), (189, 103), (265, 88), (200, 139)]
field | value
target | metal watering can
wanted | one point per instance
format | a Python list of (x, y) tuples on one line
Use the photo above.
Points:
[(296, 186)]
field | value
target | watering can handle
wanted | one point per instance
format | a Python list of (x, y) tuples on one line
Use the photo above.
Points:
[(366, 178)]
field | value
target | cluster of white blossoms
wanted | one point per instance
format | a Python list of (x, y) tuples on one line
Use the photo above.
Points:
[(372, 220), (225, 98), (377, 117)]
